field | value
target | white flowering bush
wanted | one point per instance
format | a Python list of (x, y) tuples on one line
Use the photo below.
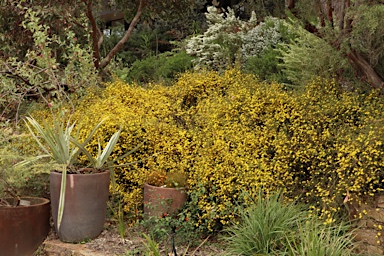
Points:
[(219, 46), (260, 38), (229, 41), (261, 54)]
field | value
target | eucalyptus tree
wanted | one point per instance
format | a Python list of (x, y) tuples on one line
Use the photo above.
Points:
[(352, 27)]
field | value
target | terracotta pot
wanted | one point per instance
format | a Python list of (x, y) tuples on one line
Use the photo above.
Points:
[(160, 201), (24, 228), (85, 205)]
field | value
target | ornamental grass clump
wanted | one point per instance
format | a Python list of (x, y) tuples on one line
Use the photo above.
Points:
[(274, 227), (263, 228), (313, 238)]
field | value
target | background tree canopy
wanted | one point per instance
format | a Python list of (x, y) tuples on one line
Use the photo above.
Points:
[(44, 43), (352, 27)]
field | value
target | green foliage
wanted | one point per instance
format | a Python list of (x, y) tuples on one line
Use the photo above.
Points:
[(152, 246), (308, 57), (267, 66), (176, 180), (263, 228), (263, 36), (42, 73), (175, 226), (163, 67), (58, 15), (142, 43), (57, 139), (313, 238), (264, 8), (158, 9), (26, 181), (160, 23), (117, 214), (261, 49), (349, 30), (100, 161), (367, 35), (233, 134), (230, 41), (272, 227), (60, 145)]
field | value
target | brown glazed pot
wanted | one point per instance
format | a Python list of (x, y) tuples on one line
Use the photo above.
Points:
[(85, 205), (160, 201), (24, 228)]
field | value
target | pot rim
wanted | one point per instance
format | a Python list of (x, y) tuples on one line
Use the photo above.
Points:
[(177, 188), (54, 172), (42, 200)]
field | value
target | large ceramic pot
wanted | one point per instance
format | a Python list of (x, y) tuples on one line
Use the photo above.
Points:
[(85, 205), (159, 201), (24, 228)]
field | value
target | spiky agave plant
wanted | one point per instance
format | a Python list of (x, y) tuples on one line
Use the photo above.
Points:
[(59, 145)]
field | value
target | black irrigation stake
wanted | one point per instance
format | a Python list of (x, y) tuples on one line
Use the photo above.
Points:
[(174, 253)]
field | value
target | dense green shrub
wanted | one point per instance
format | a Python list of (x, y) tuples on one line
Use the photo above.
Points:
[(163, 67), (308, 56), (261, 54), (367, 33), (267, 66), (233, 134)]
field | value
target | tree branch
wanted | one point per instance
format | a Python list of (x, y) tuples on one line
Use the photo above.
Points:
[(348, 23), (291, 5), (330, 12), (95, 33), (101, 38), (11, 73), (126, 36), (373, 78), (342, 16)]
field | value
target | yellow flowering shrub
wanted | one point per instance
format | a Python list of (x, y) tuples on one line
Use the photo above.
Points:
[(232, 134)]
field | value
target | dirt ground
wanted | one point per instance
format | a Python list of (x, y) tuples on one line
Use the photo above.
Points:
[(109, 243)]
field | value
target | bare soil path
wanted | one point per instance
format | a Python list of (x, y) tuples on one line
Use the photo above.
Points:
[(109, 243)]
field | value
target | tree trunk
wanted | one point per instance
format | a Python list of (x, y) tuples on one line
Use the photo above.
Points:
[(291, 5), (348, 22), (342, 14), (373, 78), (94, 34)]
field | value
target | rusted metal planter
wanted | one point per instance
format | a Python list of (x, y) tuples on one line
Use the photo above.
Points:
[(85, 205), (24, 228), (159, 201)]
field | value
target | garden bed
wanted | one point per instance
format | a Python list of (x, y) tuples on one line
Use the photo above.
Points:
[(110, 243)]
